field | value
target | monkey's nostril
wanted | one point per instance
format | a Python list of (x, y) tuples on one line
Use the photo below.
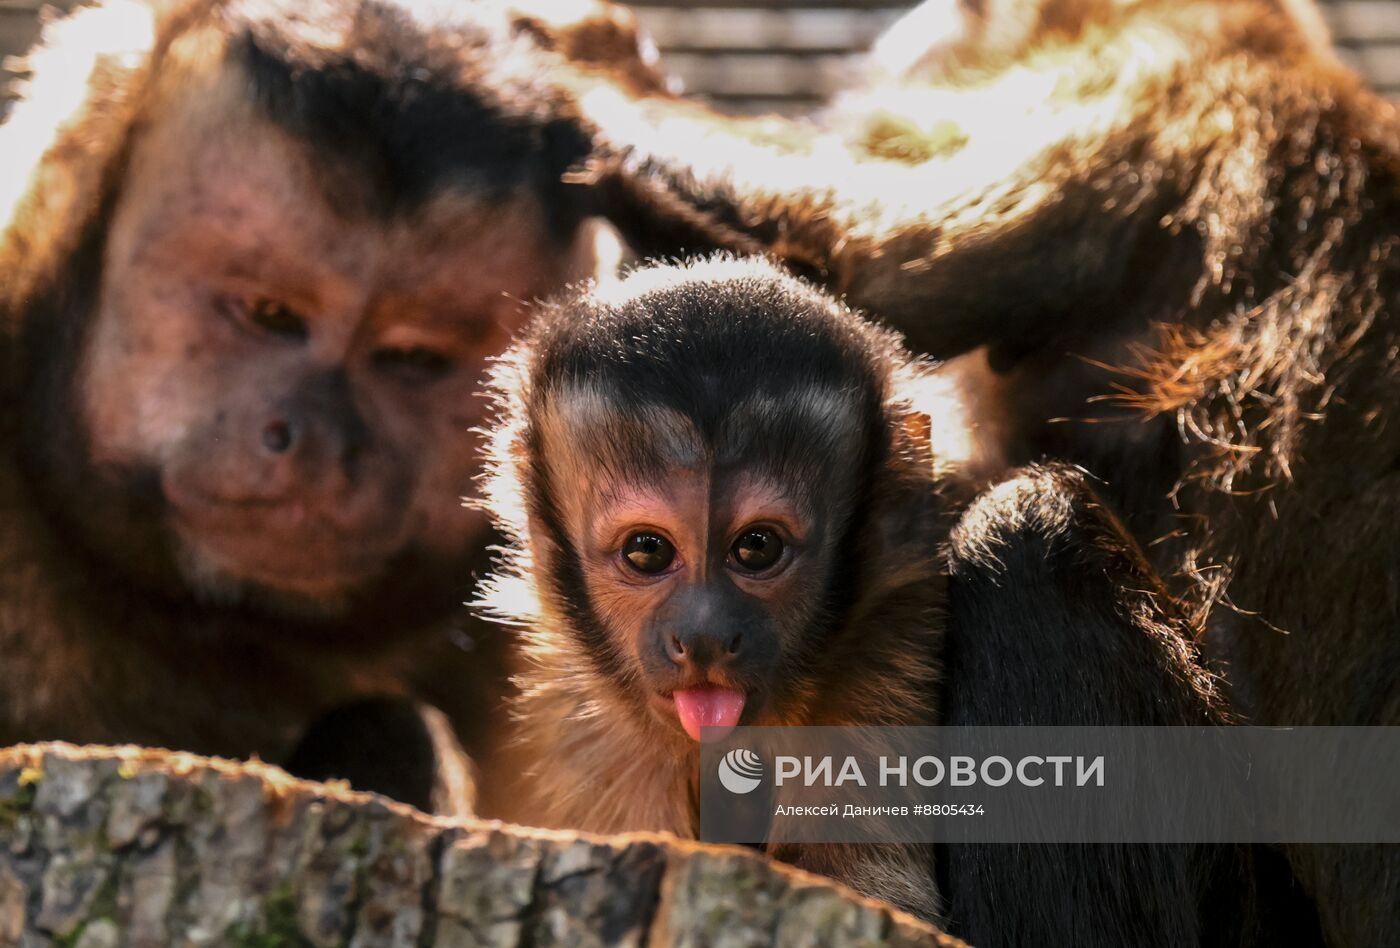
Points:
[(734, 644), (277, 436)]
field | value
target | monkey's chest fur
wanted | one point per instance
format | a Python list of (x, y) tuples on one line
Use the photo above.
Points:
[(589, 757)]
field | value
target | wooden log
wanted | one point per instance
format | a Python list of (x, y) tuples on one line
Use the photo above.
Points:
[(101, 847)]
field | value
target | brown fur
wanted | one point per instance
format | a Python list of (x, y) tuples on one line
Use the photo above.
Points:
[(1165, 233), (591, 754), (595, 33), (163, 580), (640, 388)]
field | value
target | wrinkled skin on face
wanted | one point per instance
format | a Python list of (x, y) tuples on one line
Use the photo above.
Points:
[(279, 390)]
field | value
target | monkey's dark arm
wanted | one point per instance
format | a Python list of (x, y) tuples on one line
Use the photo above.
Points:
[(1056, 619), (403, 749), (1050, 596)]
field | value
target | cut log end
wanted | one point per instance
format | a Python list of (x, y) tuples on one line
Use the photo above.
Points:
[(103, 846)]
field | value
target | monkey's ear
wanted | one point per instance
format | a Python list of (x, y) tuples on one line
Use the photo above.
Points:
[(912, 446), (65, 137), (903, 528), (912, 455)]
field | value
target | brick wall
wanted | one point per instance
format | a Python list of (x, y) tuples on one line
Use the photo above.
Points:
[(19, 26), (790, 54), (752, 57), (1367, 33)]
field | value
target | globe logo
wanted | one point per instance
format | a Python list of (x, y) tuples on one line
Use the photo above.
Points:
[(740, 771)]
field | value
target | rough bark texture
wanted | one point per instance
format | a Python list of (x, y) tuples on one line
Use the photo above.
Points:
[(102, 847)]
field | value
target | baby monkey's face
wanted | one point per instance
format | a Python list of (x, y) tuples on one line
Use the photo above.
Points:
[(706, 581), (720, 478)]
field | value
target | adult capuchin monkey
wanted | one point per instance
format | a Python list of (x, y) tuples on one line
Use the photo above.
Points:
[(253, 257), (1163, 234), (728, 500)]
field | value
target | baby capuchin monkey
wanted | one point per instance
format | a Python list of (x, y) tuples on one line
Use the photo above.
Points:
[(730, 501)]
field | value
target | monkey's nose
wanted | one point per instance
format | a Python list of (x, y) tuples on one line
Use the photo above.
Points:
[(701, 649), (277, 436)]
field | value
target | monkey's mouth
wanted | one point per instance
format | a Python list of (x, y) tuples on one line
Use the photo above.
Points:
[(707, 713), (307, 558), (289, 542)]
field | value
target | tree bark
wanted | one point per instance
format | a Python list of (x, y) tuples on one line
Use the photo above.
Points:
[(101, 847)]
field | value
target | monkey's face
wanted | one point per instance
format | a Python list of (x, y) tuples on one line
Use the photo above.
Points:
[(696, 578), (286, 388), (705, 571)]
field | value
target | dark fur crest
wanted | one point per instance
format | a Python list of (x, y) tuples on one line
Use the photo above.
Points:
[(408, 103)]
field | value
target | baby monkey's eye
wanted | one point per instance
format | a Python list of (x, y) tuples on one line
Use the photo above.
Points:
[(648, 553), (757, 549)]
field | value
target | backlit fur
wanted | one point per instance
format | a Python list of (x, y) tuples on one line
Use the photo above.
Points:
[(590, 755)]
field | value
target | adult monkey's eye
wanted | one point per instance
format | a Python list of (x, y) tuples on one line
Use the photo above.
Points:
[(648, 553), (417, 362), (757, 549), (277, 319)]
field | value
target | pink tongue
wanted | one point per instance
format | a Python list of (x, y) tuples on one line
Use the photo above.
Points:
[(711, 708)]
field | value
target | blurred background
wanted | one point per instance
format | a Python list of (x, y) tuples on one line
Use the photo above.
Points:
[(788, 55)]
